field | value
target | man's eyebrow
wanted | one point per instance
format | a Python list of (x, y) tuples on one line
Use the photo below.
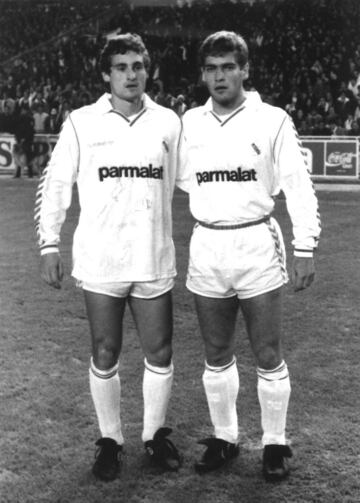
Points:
[(220, 65)]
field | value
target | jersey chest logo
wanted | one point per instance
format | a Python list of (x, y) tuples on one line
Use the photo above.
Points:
[(235, 175), (130, 172)]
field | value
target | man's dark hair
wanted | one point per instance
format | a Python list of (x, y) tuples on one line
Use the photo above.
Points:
[(222, 42), (121, 45)]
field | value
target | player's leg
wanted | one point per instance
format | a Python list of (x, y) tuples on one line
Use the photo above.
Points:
[(217, 317), (263, 315), (17, 164), (105, 314), (29, 159), (154, 322)]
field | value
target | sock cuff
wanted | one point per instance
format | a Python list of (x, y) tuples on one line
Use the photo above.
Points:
[(103, 374), (159, 370), (278, 373), (220, 369)]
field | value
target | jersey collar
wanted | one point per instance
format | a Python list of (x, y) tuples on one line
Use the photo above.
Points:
[(104, 106), (252, 100)]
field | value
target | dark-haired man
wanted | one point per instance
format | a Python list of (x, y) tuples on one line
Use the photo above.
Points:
[(121, 152), (237, 153)]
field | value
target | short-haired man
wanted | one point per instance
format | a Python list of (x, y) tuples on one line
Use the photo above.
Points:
[(121, 151), (237, 154)]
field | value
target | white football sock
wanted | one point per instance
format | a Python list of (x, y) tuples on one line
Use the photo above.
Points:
[(157, 384), (274, 393), (105, 391), (221, 388)]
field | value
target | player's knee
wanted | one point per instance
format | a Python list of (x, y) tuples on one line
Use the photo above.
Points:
[(159, 356), (268, 357), (105, 357), (218, 356)]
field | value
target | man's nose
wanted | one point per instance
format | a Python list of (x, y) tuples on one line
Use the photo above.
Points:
[(219, 74), (131, 74)]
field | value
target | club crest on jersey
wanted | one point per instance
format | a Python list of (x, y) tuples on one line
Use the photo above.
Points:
[(256, 148), (235, 175), (130, 172)]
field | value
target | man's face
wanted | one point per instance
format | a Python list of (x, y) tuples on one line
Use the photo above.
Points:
[(224, 78), (127, 77)]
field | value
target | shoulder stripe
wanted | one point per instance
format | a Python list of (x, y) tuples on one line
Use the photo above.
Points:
[(77, 139), (277, 136)]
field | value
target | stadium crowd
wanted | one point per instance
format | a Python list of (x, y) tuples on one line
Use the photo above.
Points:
[(304, 55)]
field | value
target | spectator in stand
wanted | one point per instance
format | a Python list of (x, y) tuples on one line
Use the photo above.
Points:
[(298, 118), (84, 99), (322, 107), (35, 97), (9, 87), (40, 117), (348, 123), (64, 111), (331, 116), (25, 99), (52, 122), (319, 88), (355, 128), (291, 107), (7, 101), (338, 129), (302, 128), (357, 110), (308, 105), (47, 88), (24, 134), (342, 105), (352, 85), (321, 129), (358, 91), (6, 120), (329, 98)]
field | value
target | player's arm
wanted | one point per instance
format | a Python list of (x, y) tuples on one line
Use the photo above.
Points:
[(175, 127), (53, 198), (301, 203), (183, 175), (52, 269), (302, 272)]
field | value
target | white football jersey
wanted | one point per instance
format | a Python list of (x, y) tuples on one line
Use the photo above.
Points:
[(125, 172), (233, 167)]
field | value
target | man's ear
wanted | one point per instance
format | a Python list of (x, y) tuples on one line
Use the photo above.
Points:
[(105, 76), (245, 71)]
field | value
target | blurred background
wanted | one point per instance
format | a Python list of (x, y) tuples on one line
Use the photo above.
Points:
[(304, 54)]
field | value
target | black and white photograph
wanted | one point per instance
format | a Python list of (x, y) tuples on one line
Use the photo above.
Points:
[(179, 251)]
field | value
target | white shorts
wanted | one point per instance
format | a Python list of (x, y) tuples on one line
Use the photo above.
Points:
[(122, 289), (245, 262)]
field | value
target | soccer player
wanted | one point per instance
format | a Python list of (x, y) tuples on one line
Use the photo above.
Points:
[(122, 153), (237, 154)]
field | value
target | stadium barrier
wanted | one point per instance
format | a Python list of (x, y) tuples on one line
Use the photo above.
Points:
[(42, 148), (328, 157), (332, 157)]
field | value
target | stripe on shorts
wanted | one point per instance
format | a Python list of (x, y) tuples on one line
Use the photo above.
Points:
[(278, 248)]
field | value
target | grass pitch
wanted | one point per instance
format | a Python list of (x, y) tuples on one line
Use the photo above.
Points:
[(48, 425)]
